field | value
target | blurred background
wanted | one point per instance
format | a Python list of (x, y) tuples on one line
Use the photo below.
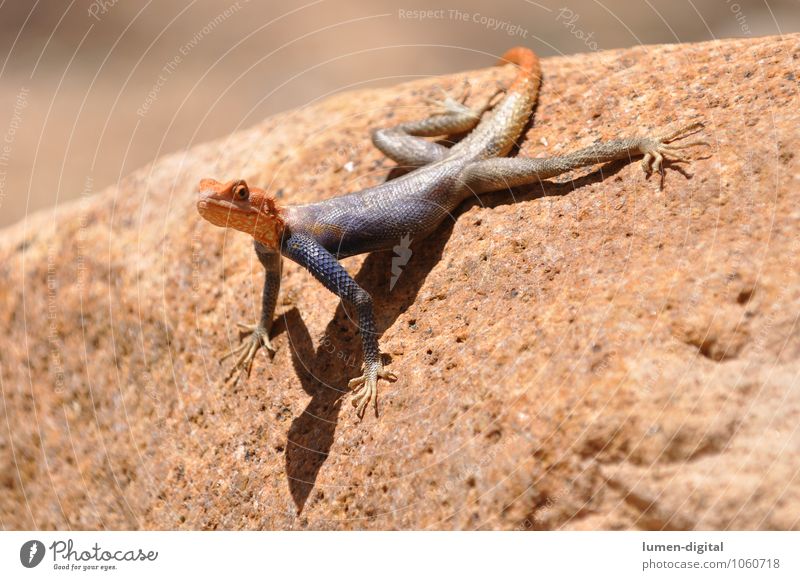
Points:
[(92, 90)]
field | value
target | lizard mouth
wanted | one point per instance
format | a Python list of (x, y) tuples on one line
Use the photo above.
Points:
[(223, 212), (205, 203)]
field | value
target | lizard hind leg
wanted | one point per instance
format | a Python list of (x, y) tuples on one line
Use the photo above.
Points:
[(406, 143)]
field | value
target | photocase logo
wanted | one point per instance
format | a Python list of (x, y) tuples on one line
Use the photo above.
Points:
[(31, 553), (402, 254)]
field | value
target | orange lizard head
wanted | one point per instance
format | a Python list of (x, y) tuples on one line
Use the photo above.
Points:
[(247, 209)]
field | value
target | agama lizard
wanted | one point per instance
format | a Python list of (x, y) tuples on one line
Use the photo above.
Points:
[(317, 235)]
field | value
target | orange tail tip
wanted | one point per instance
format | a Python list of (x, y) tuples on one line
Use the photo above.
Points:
[(529, 69)]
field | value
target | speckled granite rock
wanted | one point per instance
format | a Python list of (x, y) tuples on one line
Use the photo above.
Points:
[(588, 353)]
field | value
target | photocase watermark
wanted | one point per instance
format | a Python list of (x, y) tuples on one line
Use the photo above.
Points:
[(341, 159), (472, 471), (20, 104), (198, 253), (100, 8), (616, 344), (152, 95), (736, 9), (185, 49), (31, 553), (488, 22), (150, 387), (329, 347), (569, 19), (67, 557), (80, 241), (52, 322), (542, 509), (402, 254)]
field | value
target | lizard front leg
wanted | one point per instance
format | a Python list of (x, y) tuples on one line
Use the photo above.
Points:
[(307, 252), (405, 144), (500, 173), (257, 335)]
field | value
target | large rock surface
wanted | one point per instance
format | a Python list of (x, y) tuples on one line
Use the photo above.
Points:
[(588, 353)]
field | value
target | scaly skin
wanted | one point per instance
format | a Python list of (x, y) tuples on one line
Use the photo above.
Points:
[(316, 235)]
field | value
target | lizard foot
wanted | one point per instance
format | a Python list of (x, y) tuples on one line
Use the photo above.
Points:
[(253, 336), (365, 387), (458, 107), (657, 149)]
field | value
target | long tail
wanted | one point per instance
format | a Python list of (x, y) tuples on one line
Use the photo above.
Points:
[(497, 132), (529, 75)]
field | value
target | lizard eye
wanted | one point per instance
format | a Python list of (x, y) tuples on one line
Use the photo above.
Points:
[(241, 191)]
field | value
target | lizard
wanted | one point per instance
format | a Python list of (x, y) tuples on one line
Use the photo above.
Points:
[(317, 235)]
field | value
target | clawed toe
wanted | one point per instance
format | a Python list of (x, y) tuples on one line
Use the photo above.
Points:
[(682, 132), (254, 336), (365, 387), (362, 397), (448, 105), (661, 148)]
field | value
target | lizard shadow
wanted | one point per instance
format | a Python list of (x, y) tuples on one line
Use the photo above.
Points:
[(324, 371)]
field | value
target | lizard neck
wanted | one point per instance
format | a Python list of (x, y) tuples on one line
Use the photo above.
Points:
[(269, 231)]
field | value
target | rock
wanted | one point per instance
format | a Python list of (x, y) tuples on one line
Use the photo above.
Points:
[(588, 353)]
